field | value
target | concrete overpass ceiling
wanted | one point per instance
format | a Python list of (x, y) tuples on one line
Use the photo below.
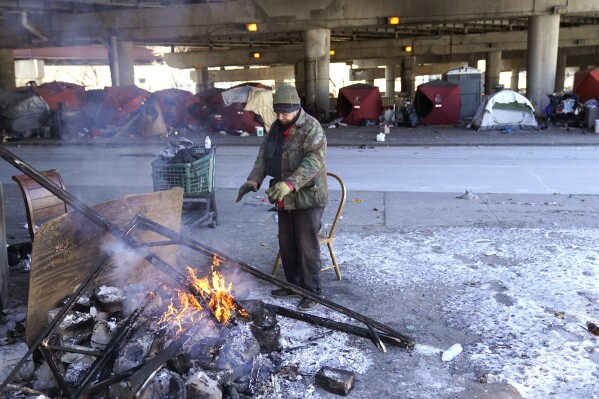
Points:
[(219, 25)]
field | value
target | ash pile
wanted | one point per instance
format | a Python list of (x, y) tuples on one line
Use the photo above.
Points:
[(168, 343)]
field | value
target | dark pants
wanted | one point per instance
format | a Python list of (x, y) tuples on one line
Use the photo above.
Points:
[(300, 250)]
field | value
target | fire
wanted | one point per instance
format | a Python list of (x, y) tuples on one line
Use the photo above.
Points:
[(211, 291)]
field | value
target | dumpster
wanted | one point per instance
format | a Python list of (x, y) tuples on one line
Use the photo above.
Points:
[(470, 81)]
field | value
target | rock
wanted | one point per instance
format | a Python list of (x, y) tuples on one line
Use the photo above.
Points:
[(337, 381), (10, 355)]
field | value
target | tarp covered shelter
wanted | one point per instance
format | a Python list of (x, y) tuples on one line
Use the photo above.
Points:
[(176, 106), (586, 84), (235, 116), (120, 101), (22, 110), (260, 102), (359, 102), (438, 103), (70, 95), (505, 109)]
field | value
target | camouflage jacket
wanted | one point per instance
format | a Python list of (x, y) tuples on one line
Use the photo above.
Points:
[(302, 164)]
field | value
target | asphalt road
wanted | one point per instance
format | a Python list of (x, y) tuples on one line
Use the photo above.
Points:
[(494, 169)]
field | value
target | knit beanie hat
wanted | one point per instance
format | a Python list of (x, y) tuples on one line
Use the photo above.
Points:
[(286, 99)]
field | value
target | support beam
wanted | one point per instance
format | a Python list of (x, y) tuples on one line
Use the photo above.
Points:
[(389, 80), (543, 36), (7, 69), (120, 58), (560, 72), (492, 71), (317, 44)]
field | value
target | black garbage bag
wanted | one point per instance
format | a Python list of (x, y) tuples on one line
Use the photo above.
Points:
[(409, 116)]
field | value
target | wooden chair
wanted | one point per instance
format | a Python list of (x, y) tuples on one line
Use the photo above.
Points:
[(326, 238), (40, 204)]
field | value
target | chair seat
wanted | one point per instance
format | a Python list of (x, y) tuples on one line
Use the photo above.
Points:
[(326, 239), (40, 204)]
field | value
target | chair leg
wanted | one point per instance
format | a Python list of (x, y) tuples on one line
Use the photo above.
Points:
[(335, 265), (275, 267)]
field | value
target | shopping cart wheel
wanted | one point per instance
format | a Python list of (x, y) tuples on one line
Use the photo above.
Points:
[(213, 223)]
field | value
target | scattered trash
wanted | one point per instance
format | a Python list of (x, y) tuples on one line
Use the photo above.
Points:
[(593, 328), (560, 315), (468, 196), (357, 201), (488, 378), (507, 130), (451, 353), (380, 137)]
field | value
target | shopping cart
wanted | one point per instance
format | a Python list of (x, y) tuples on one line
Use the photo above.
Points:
[(197, 180)]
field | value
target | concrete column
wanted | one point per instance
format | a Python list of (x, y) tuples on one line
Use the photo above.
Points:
[(300, 78), (515, 78), (7, 69), (408, 76), (120, 57), (560, 72), (493, 68), (543, 36), (389, 80), (317, 44), (202, 79)]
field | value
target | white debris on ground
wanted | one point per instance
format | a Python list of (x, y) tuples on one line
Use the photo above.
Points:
[(527, 294)]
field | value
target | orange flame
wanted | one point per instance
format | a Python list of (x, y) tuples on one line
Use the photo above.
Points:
[(185, 307)]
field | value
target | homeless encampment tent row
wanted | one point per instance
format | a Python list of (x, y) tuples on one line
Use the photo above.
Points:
[(68, 111)]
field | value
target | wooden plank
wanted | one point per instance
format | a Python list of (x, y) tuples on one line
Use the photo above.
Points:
[(48, 211), (67, 248)]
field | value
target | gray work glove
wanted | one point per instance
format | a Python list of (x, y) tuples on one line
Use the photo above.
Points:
[(246, 188)]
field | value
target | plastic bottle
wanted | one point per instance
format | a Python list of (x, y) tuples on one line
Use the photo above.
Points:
[(207, 143), (451, 353)]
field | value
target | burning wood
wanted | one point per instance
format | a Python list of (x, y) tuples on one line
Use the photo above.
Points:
[(227, 351)]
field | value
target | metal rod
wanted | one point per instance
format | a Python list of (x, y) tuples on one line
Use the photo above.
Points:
[(166, 232), (335, 325), (67, 391)]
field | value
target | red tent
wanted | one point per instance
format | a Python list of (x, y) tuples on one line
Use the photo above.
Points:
[(120, 101), (359, 102), (438, 103), (586, 84), (71, 95), (177, 106)]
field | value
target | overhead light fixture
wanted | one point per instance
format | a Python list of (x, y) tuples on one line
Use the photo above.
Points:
[(331, 52), (251, 27), (255, 54), (393, 20), (407, 49), (560, 10)]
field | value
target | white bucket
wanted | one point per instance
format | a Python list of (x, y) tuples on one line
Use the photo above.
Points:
[(259, 131), (380, 137), (596, 125)]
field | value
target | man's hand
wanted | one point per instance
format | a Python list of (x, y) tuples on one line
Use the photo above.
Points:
[(278, 191), (246, 188)]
